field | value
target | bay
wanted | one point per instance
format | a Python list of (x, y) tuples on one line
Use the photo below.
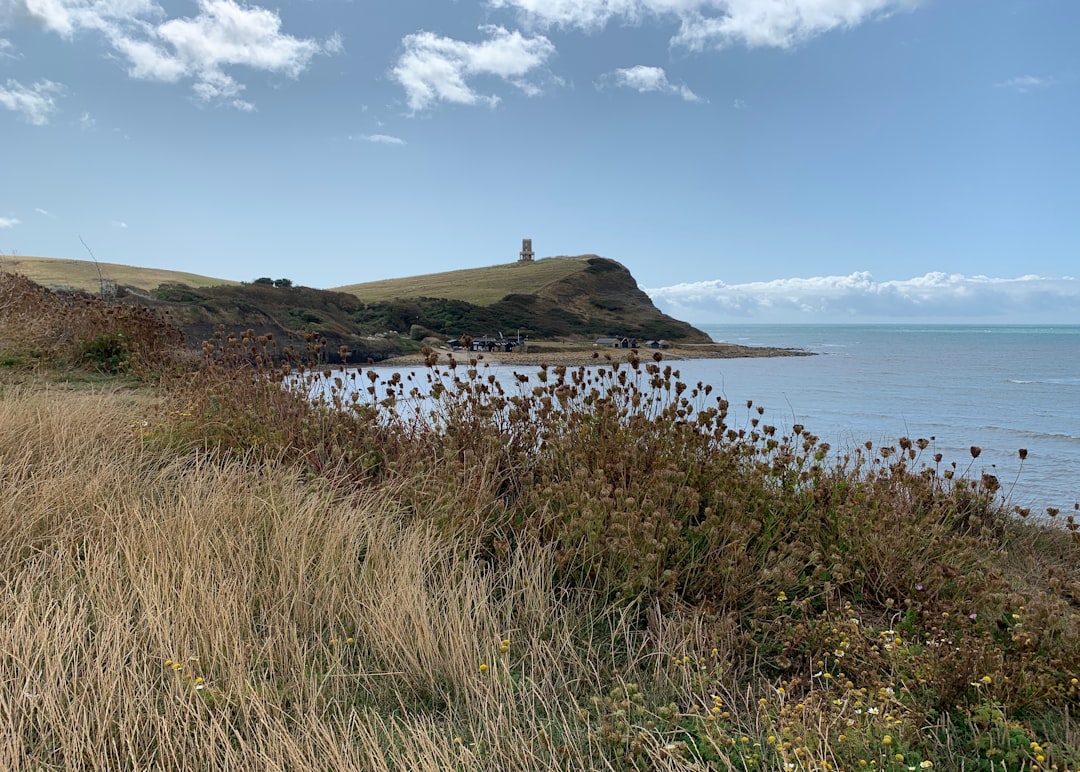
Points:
[(999, 388)]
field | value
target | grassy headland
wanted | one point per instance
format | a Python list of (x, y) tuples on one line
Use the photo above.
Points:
[(594, 569), (555, 299)]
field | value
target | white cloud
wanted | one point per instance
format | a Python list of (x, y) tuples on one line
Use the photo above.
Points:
[(738, 104), (119, 224), (87, 121), (44, 212), (858, 297), (224, 34), (642, 78), (66, 17), (438, 69), (9, 222), (381, 139), (1025, 83), (36, 102), (715, 23), (7, 50)]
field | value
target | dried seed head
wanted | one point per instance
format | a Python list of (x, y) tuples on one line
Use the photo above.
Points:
[(975, 451)]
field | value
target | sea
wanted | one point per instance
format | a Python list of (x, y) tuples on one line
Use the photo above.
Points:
[(999, 388)]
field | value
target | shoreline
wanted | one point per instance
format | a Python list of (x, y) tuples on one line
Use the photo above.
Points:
[(571, 355)]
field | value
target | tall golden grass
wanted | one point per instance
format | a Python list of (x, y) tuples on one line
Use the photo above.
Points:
[(330, 632)]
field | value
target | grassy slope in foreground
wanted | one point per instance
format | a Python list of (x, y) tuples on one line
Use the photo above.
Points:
[(479, 286), (83, 274)]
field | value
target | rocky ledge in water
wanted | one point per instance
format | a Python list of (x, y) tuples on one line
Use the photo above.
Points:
[(576, 355)]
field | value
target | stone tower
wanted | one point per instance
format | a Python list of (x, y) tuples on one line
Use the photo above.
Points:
[(526, 255)]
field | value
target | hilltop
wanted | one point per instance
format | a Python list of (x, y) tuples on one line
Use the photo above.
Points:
[(86, 275), (553, 299)]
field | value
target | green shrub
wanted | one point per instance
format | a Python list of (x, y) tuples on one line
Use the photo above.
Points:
[(107, 352)]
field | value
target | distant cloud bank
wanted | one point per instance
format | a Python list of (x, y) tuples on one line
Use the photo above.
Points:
[(934, 297)]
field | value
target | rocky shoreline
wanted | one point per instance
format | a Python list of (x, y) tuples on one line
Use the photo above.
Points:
[(570, 355)]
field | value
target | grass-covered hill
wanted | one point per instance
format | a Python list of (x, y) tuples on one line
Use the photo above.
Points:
[(478, 286), (585, 296), (555, 298), (86, 275)]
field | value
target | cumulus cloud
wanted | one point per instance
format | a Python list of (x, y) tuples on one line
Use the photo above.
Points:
[(8, 222), (380, 139), (36, 102), (642, 78), (1025, 83), (435, 69), (858, 297), (715, 23), (224, 34)]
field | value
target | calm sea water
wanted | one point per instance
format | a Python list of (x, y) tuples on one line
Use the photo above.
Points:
[(1000, 388)]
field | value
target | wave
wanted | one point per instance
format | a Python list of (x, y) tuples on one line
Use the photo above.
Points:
[(1049, 381), (1035, 435)]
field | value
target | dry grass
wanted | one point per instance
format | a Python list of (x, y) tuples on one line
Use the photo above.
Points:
[(83, 274), (309, 629), (310, 618), (480, 286)]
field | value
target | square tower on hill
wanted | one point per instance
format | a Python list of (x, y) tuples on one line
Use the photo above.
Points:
[(526, 255)]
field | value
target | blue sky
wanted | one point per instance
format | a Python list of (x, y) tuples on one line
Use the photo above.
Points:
[(747, 160)]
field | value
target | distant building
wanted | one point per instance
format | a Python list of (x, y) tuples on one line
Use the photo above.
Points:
[(526, 255)]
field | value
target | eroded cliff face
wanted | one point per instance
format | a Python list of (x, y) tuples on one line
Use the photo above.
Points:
[(607, 299)]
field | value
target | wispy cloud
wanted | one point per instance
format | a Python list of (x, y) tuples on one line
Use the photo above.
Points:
[(715, 23), (8, 222), (738, 104), (7, 50), (435, 69), (36, 102), (224, 34), (1025, 83), (379, 139), (44, 212), (858, 297), (643, 79), (119, 224)]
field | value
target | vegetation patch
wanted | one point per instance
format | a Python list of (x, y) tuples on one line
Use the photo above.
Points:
[(263, 561)]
